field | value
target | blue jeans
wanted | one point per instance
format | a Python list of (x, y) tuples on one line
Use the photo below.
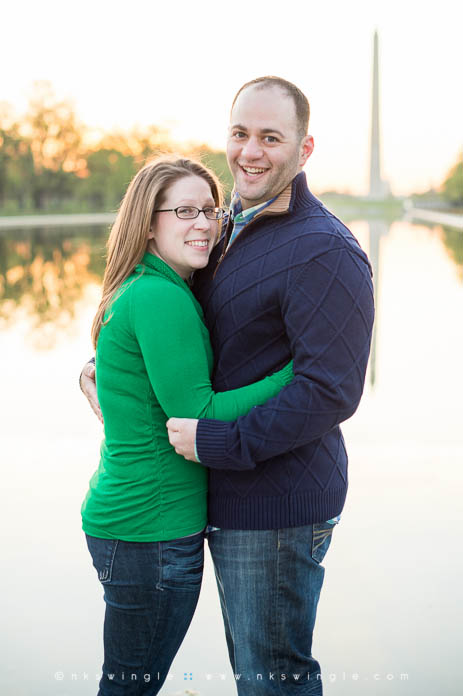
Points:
[(269, 584), (151, 591)]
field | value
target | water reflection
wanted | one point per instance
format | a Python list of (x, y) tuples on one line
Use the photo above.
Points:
[(394, 550), (44, 273), (453, 240), (376, 229)]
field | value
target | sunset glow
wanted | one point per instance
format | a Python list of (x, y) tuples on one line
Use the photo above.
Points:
[(179, 67)]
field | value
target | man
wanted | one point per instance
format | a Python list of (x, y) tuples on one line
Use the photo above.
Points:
[(288, 280)]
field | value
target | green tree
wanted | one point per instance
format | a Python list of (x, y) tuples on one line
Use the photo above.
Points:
[(16, 165), (452, 188), (46, 165), (109, 172), (141, 144), (55, 140), (217, 161)]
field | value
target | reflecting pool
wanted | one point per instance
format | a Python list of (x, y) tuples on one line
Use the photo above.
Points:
[(390, 612)]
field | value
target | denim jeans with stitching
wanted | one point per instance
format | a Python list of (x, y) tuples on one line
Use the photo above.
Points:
[(151, 590), (269, 584)]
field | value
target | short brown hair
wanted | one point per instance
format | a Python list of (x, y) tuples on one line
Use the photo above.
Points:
[(301, 103)]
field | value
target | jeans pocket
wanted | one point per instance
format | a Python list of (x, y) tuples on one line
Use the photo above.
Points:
[(182, 563), (322, 533), (102, 552)]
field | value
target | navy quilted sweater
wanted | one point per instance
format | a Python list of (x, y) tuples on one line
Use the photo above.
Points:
[(294, 284)]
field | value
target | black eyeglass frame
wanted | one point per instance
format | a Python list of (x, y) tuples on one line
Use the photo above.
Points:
[(198, 211)]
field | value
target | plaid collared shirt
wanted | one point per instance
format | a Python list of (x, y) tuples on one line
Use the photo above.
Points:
[(241, 217)]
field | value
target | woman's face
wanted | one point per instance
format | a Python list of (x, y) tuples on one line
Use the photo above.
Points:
[(184, 245)]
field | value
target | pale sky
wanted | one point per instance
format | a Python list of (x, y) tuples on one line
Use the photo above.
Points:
[(179, 64)]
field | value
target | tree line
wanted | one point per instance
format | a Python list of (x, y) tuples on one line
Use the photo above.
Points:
[(452, 188), (49, 161)]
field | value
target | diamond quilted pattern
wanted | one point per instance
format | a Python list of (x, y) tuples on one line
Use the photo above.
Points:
[(294, 286)]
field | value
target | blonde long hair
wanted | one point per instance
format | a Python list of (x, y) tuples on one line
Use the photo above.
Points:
[(128, 238)]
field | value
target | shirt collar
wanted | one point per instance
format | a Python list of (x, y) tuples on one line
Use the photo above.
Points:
[(239, 215)]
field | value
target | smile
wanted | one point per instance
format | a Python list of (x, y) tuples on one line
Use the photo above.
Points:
[(253, 171), (199, 243)]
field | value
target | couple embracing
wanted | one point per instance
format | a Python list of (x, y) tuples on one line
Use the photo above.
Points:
[(229, 348)]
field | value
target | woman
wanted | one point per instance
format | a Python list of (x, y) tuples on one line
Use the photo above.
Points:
[(145, 511)]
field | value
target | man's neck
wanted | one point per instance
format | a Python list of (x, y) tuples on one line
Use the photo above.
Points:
[(245, 204)]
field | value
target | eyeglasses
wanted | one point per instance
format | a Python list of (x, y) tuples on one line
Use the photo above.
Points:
[(189, 212)]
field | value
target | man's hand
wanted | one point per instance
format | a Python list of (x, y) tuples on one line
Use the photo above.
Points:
[(88, 386), (182, 436)]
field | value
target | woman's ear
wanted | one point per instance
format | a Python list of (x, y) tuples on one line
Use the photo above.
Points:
[(151, 233)]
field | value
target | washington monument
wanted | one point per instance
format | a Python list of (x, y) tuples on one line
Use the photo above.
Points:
[(379, 189)]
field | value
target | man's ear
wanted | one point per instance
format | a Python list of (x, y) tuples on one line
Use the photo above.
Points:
[(307, 145)]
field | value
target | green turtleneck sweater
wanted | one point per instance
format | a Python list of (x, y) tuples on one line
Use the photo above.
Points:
[(154, 361)]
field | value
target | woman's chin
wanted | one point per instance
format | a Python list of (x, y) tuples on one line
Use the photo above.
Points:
[(200, 264)]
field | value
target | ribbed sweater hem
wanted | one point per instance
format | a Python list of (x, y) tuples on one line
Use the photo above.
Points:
[(309, 507)]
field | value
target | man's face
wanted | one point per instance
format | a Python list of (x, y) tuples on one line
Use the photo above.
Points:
[(264, 149)]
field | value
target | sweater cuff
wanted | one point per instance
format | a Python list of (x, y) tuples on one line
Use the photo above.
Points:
[(211, 440)]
